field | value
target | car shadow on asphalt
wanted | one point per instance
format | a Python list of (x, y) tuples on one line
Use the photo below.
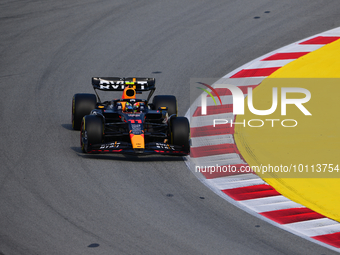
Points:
[(68, 127), (127, 157)]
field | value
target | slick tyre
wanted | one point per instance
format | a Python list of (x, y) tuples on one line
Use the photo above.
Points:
[(82, 104), (92, 132), (166, 101), (180, 132)]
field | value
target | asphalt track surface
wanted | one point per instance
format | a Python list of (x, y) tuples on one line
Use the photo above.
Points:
[(56, 200)]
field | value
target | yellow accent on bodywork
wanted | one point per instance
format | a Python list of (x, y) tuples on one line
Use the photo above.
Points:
[(137, 141)]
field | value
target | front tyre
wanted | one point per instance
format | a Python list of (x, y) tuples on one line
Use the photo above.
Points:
[(92, 132), (82, 104), (180, 132)]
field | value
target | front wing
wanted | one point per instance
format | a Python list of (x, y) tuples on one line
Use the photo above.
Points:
[(150, 148)]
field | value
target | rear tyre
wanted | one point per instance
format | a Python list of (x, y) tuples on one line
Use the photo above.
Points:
[(92, 131), (180, 132), (166, 101), (82, 104)]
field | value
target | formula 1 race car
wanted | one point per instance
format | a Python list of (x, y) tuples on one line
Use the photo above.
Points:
[(129, 125)]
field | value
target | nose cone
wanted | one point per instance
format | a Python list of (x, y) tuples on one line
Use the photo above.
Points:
[(137, 141)]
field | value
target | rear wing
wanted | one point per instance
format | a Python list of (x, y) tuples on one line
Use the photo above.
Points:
[(119, 84)]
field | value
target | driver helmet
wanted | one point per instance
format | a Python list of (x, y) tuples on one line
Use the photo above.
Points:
[(128, 107), (136, 107)]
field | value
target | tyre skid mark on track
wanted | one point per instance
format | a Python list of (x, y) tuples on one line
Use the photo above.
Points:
[(247, 190)]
